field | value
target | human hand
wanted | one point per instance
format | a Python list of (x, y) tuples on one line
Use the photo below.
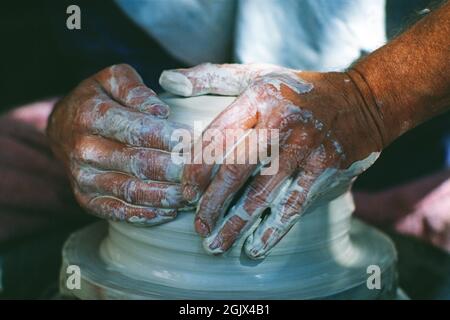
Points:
[(112, 135), (324, 126)]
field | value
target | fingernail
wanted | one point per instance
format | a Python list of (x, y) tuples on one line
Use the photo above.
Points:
[(213, 247), (201, 227), (252, 251), (176, 83), (254, 254)]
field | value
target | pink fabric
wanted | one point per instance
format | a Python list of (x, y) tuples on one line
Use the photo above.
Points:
[(34, 191), (420, 209)]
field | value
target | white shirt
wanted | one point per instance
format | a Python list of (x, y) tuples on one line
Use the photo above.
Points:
[(320, 35)]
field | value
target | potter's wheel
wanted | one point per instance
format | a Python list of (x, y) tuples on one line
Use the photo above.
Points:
[(315, 277), (326, 255)]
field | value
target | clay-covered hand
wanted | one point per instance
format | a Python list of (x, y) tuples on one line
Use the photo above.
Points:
[(112, 134), (324, 126)]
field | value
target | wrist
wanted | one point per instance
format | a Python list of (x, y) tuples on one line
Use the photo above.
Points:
[(370, 106), (392, 112), (356, 105)]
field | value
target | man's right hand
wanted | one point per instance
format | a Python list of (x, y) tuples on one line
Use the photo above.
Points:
[(112, 136)]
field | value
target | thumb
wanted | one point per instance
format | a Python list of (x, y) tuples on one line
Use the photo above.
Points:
[(207, 78)]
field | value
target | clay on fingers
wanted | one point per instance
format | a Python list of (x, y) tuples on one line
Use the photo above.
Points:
[(123, 83)]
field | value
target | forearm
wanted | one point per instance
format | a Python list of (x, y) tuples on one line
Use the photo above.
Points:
[(407, 81)]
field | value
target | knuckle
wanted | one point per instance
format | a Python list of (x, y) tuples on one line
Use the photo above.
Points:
[(129, 190), (80, 176), (208, 210), (258, 195), (290, 210), (111, 209), (121, 67), (84, 150), (140, 160), (86, 109)]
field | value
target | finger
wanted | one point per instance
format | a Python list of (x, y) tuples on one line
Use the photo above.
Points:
[(103, 116), (231, 178), (117, 210), (261, 191), (207, 78), (143, 163), (125, 85), (239, 163), (257, 197), (218, 196), (302, 191), (247, 111), (129, 189), (232, 125)]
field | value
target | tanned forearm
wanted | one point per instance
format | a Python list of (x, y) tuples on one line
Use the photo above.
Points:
[(407, 81)]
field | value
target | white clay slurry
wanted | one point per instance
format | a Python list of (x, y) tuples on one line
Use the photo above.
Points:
[(329, 185), (249, 217), (174, 171), (135, 129), (325, 254), (178, 83), (229, 80), (289, 79), (204, 79)]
